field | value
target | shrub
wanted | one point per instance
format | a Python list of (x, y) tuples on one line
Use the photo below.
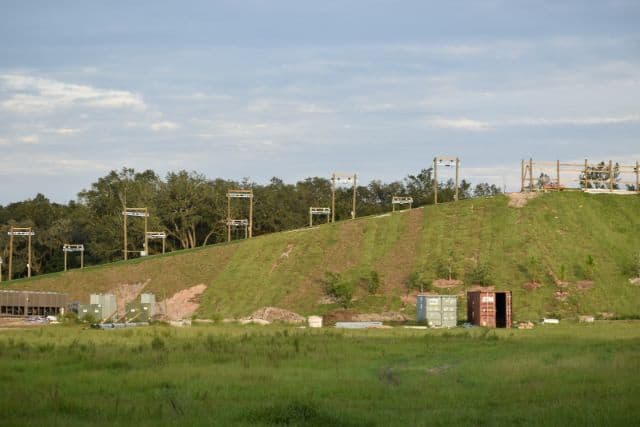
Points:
[(339, 288), (590, 266), (372, 282), (415, 281), (480, 274)]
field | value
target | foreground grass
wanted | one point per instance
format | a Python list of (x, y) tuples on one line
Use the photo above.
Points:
[(228, 375)]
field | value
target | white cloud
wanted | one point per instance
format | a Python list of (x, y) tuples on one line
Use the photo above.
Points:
[(461, 124), (29, 139), (66, 131), (574, 121), (34, 94), (479, 126), (273, 106), (164, 126)]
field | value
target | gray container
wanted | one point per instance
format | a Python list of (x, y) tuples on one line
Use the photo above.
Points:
[(93, 310), (438, 311), (149, 299), (108, 303)]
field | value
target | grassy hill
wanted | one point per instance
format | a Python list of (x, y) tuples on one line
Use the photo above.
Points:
[(562, 254)]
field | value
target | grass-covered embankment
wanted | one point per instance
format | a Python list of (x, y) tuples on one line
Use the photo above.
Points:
[(579, 250)]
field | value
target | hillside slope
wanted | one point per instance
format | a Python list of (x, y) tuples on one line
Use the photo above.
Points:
[(560, 254)]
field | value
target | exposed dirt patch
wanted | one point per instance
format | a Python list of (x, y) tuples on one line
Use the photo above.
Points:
[(126, 293), (561, 295), (518, 200), (446, 283), (182, 304), (635, 281), (606, 315), (532, 285), (585, 284), (275, 314)]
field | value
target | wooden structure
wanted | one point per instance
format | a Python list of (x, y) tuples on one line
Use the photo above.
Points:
[(239, 194), (447, 162), (20, 231), (319, 211), (154, 235), (341, 179), (490, 309), (0, 269), (235, 224), (137, 213), (29, 303), (556, 176), (399, 200), (67, 247)]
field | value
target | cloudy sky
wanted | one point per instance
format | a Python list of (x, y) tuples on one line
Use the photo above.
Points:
[(257, 88)]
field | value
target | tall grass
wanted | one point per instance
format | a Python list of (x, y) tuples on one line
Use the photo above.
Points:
[(555, 375)]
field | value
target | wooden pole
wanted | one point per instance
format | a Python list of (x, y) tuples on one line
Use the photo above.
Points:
[(126, 255), (333, 197), (251, 216), (29, 256), (164, 239), (353, 211), (457, 177), (610, 175), (82, 259), (558, 175), (10, 277), (522, 175), (65, 260), (228, 218), (586, 174), (435, 180), (146, 224), (530, 174), (310, 218), (637, 176)]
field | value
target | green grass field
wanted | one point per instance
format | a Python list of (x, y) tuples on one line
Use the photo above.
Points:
[(569, 374), (589, 243)]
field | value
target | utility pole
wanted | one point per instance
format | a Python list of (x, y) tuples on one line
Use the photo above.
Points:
[(20, 231), (343, 178)]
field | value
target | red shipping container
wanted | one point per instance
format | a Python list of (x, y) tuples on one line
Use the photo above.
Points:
[(489, 309)]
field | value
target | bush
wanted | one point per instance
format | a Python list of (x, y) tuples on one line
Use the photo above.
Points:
[(480, 274), (415, 281), (590, 266), (339, 288), (372, 282)]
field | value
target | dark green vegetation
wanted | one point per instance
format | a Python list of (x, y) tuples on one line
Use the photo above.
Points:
[(562, 254), (191, 209), (569, 374)]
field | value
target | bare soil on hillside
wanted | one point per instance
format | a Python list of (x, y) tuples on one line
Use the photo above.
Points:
[(518, 200), (183, 304)]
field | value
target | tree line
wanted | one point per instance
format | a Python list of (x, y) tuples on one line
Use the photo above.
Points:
[(192, 210)]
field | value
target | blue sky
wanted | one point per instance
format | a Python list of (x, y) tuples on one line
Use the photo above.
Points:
[(298, 88)]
